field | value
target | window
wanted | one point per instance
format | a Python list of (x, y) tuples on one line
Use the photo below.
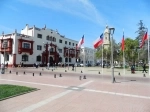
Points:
[(60, 50), (39, 35), (69, 59), (47, 38), (50, 38), (72, 44), (39, 47), (6, 57), (60, 41), (5, 44), (38, 58), (24, 57), (51, 49), (66, 59), (60, 59), (53, 39), (26, 45), (69, 43), (65, 42)]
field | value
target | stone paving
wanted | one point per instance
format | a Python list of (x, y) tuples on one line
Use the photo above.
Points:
[(96, 93)]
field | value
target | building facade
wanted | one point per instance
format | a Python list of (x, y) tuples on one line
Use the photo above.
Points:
[(37, 45), (87, 55), (106, 41)]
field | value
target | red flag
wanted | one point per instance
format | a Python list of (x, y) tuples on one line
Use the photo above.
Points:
[(145, 37), (122, 44), (80, 42), (98, 41)]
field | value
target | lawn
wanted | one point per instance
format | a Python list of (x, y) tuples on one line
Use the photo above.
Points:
[(8, 91)]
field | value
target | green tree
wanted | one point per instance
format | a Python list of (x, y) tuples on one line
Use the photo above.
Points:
[(130, 51), (141, 31)]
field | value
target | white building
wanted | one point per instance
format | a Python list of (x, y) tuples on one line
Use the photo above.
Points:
[(87, 55), (37, 45), (106, 41)]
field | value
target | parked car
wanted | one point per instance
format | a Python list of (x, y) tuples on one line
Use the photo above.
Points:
[(88, 65), (77, 64), (81, 64)]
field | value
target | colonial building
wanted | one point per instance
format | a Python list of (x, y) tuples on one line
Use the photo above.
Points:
[(37, 45), (87, 55), (106, 41)]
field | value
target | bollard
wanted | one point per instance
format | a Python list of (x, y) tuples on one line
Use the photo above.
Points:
[(80, 77), (60, 75), (52, 70), (119, 73), (42, 69), (81, 71), (40, 74), (16, 73), (84, 77), (65, 70), (114, 79), (10, 71), (54, 75), (99, 72), (33, 74), (144, 75), (24, 72)]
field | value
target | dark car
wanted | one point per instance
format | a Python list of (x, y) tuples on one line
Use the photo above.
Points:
[(88, 65)]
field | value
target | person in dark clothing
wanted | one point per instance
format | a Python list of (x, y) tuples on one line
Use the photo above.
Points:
[(132, 69), (144, 68), (72, 67)]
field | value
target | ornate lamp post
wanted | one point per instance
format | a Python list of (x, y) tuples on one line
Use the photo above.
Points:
[(112, 59)]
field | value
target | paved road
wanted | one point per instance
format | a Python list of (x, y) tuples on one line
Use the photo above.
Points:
[(96, 93)]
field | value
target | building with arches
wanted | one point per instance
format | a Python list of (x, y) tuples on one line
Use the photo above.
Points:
[(87, 55), (37, 45)]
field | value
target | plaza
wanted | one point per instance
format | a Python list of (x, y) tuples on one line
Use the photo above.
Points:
[(69, 93)]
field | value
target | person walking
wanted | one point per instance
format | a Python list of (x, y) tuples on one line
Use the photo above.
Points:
[(144, 68)]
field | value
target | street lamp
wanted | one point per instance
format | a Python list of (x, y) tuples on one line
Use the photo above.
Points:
[(68, 57), (111, 30)]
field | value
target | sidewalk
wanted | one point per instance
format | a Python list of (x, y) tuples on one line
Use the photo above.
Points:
[(69, 94)]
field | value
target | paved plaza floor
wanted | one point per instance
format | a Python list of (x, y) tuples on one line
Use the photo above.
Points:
[(73, 93)]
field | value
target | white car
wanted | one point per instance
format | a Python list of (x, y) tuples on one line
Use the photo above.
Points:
[(81, 64)]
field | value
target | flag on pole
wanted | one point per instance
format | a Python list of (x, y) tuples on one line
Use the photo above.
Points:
[(99, 41), (122, 44), (80, 42), (145, 37)]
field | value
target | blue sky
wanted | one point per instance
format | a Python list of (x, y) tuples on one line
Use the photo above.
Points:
[(73, 18)]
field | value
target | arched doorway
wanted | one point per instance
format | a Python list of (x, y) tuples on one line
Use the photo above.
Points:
[(51, 61)]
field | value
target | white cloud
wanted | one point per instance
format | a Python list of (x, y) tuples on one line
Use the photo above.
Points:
[(81, 8), (5, 28)]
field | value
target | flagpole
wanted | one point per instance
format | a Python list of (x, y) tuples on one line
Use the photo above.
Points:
[(123, 56), (148, 52), (123, 63), (102, 58)]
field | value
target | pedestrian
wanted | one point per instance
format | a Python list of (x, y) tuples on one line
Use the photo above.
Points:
[(7, 65), (144, 68), (132, 69)]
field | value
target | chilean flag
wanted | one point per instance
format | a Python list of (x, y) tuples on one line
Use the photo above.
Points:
[(145, 37), (80, 42), (98, 41), (122, 44)]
